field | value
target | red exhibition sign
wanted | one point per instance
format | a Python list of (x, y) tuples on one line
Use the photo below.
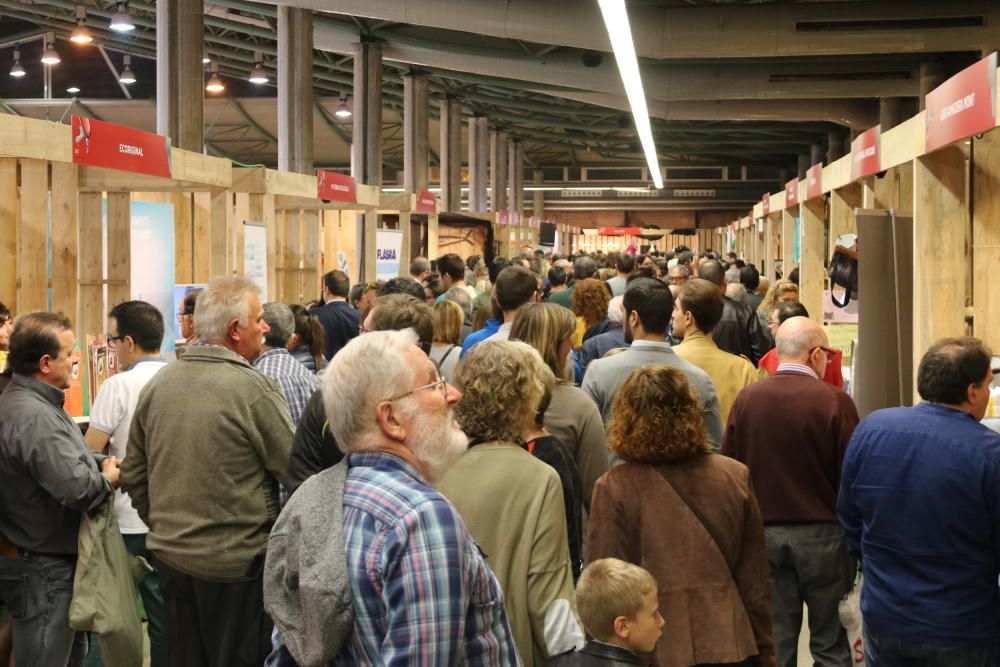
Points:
[(426, 201), (619, 231), (766, 200), (331, 186), (100, 144), (503, 217), (814, 181), (865, 157), (515, 218), (792, 193), (963, 105)]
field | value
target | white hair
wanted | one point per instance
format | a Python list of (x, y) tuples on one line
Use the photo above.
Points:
[(616, 309), (223, 300), (369, 369)]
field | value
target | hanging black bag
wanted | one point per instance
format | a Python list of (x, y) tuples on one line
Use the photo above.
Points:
[(844, 269)]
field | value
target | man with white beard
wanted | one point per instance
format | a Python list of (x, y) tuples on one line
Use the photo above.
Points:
[(368, 563)]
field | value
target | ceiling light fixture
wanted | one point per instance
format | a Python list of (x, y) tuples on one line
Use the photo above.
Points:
[(81, 33), (616, 22), (215, 84), (50, 56), (17, 69), (258, 75), (205, 60), (343, 111), (121, 21), (127, 76), (72, 90)]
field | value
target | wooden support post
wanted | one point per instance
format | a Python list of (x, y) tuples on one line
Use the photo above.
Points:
[(312, 271), (291, 257), (91, 265), (772, 241), (811, 249), (241, 213), (432, 235), (119, 248), (986, 239), (842, 205), (64, 239), (183, 238), (939, 252), (405, 249), (8, 233), (369, 231), (32, 237), (788, 240)]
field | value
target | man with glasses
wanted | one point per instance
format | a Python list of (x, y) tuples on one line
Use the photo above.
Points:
[(414, 588), (791, 430)]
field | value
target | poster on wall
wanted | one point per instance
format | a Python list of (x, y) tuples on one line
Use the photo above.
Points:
[(153, 270), (388, 249), (255, 255)]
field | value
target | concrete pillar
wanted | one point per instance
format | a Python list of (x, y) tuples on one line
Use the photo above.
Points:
[(415, 133), (803, 165), (295, 90), (479, 153), (451, 154), (515, 175), (932, 75), (782, 177), (890, 112), (180, 85), (835, 148), (366, 149), (538, 196), (816, 154), (498, 171)]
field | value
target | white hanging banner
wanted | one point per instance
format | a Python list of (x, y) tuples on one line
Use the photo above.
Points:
[(388, 247), (255, 255)]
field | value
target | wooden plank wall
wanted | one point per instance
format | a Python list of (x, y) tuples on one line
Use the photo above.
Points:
[(986, 239), (312, 268), (65, 239), (119, 248), (91, 267), (812, 275), (32, 237), (8, 233)]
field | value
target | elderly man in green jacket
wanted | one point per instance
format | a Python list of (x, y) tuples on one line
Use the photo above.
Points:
[(209, 442)]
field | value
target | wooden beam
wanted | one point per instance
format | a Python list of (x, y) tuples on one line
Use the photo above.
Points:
[(32, 237), (312, 269), (811, 274), (773, 242), (8, 233), (91, 265), (202, 222), (939, 248), (788, 239), (291, 256), (64, 239), (405, 251), (220, 213), (986, 239), (241, 213), (24, 137), (369, 233), (119, 248), (183, 238)]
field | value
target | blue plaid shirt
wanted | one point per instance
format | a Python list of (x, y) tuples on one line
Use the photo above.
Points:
[(297, 384), (423, 594)]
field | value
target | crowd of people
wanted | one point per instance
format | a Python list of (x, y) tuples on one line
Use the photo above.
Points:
[(602, 459)]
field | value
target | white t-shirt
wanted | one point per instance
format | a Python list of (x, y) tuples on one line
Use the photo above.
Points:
[(112, 413)]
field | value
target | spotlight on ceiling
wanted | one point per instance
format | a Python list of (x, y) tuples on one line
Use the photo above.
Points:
[(205, 60), (343, 111), (121, 21), (215, 84), (17, 69), (72, 90), (50, 56), (127, 76), (258, 75), (81, 33)]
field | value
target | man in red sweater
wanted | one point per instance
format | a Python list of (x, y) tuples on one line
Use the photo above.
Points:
[(791, 430)]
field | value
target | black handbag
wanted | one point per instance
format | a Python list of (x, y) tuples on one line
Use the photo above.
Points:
[(844, 269)]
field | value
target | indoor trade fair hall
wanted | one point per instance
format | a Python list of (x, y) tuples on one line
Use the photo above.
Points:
[(499, 332)]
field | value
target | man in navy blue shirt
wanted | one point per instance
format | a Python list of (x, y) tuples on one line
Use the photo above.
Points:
[(919, 503), (339, 320)]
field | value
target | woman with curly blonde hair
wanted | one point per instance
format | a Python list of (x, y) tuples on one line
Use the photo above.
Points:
[(690, 517), (780, 292), (590, 305), (511, 502)]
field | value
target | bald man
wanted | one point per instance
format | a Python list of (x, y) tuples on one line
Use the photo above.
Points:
[(791, 430), (739, 331)]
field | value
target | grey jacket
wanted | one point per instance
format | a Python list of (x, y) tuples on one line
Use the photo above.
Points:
[(605, 376), (48, 475), (307, 591)]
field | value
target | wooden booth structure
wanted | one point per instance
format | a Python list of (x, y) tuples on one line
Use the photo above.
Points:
[(416, 216), (920, 197)]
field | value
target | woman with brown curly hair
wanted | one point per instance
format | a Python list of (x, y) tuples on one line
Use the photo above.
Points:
[(690, 517), (590, 305), (511, 502)]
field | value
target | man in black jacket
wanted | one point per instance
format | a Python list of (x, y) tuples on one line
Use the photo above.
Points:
[(739, 331)]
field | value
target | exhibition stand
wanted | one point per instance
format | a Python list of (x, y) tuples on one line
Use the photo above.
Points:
[(415, 217)]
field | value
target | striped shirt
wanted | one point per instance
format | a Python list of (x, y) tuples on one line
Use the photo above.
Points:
[(297, 384), (423, 593)]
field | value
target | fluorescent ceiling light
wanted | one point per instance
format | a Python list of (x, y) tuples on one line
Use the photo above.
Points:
[(616, 21)]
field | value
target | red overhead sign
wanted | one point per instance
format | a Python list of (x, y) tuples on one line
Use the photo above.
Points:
[(331, 186), (814, 181), (101, 144), (426, 201), (515, 218), (503, 217), (766, 200), (865, 158), (963, 105), (619, 231), (792, 192)]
